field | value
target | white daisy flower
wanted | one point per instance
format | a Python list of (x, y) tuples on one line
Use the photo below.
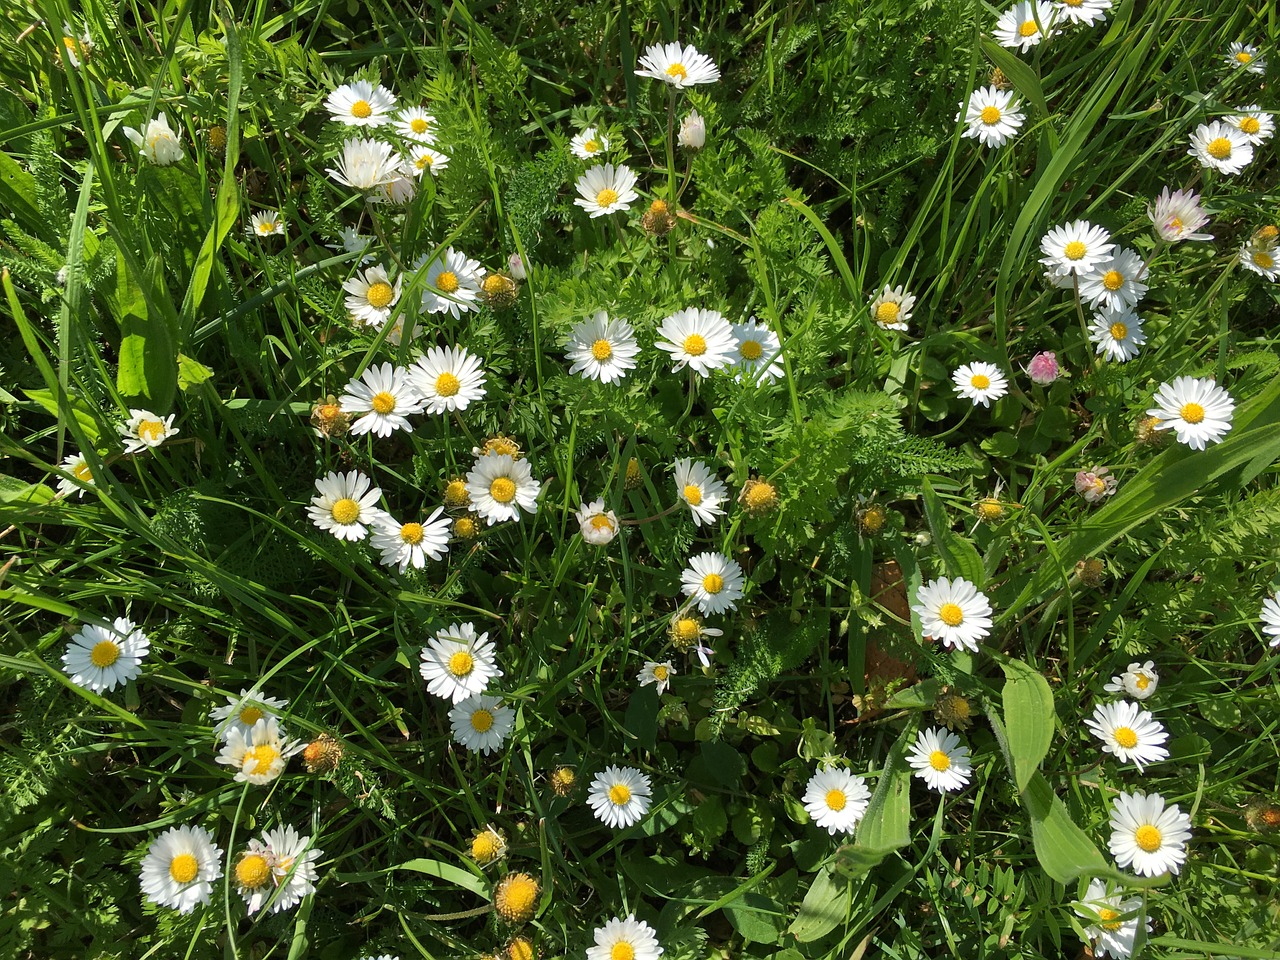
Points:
[(346, 505), (371, 296), (361, 104), (448, 378), (76, 48), (1244, 56), (259, 756), (268, 223), (279, 869), (981, 382), (481, 724), (1255, 123), (693, 131), (1129, 733), (993, 117), (628, 939), (606, 189), (423, 160), (414, 123), (76, 465), (1271, 618), (244, 711), (456, 663), (1221, 146), (680, 66), (157, 141), (405, 545), (891, 307), (1025, 24), (702, 339), (619, 796), (384, 398), (713, 581), (1147, 836), (146, 431), (401, 188), (1077, 247), (940, 760), (1118, 334), (453, 283), (1083, 11), (253, 875), (1113, 929), (1139, 681), (1115, 284), (759, 353), (501, 486), (598, 525), (1197, 410), (589, 144), (1178, 215), (366, 164), (697, 486), (602, 349), (836, 799), (101, 658), (352, 241), (953, 611), (656, 674), (1261, 257), (180, 868)]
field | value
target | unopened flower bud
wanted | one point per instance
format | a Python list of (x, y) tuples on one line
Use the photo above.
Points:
[(657, 220), (515, 267), (1043, 368), (693, 131)]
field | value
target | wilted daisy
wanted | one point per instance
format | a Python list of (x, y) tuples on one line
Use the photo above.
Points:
[(759, 354), (628, 939), (1025, 24), (713, 581), (457, 663), (501, 486), (697, 486), (423, 160), (383, 398), (1115, 284), (606, 189), (680, 66), (180, 867), (76, 465), (371, 296), (981, 382), (656, 674), (361, 104), (1083, 11), (1261, 257), (1113, 927), (602, 349), (268, 223), (1139, 680), (488, 845), (1077, 247), (279, 869), (1095, 484), (448, 378), (686, 634), (453, 283), (1221, 146), (701, 339), (1271, 618), (414, 123), (244, 711), (146, 431), (405, 545), (366, 164), (1196, 409), (259, 756), (619, 796), (1129, 733), (77, 49), (401, 188), (1178, 215), (157, 142), (1147, 836), (940, 760), (836, 799), (1245, 57), (891, 307), (1043, 368), (953, 611), (346, 505), (100, 658), (693, 131), (589, 144), (1118, 334), (993, 116), (481, 723), (352, 241), (1255, 123), (597, 524)]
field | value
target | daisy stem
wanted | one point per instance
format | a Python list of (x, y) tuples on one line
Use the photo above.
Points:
[(226, 877), (1084, 326), (671, 146)]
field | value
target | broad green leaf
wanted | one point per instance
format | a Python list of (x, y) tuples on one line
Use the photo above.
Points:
[(13, 490), (886, 826), (1028, 718), (18, 193), (1024, 80), (81, 410), (191, 373), (1063, 849), (960, 557), (448, 873), (148, 364), (823, 909)]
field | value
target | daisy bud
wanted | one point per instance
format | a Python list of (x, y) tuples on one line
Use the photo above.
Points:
[(487, 846), (500, 291), (1262, 815), (466, 527), (215, 138), (456, 496), (515, 267), (693, 131), (1095, 483), (999, 80), (657, 220), (871, 519), (322, 755), (521, 948), (634, 475), (1091, 572), (952, 710), (503, 446), (1267, 233), (758, 498), (516, 897), (563, 781), (328, 419), (1043, 368)]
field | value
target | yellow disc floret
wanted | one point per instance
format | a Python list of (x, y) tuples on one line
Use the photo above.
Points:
[(1148, 838), (1192, 413), (516, 898), (361, 110), (836, 800), (447, 282), (379, 294), (695, 345), (253, 871), (503, 490), (383, 402), (345, 511), (104, 653), (607, 197), (939, 761), (1219, 148), (951, 614), (620, 794), (184, 867), (1126, 737)]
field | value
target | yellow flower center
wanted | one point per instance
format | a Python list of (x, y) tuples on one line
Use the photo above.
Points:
[(502, 445), (484, 847), (990, 115), (622, 951), (447, 385), (361, 110), (1175, 225), (418, 125), (383, 402), (713, 583), (447, 282), (104, 653), (686, 629), (695, 345), (1075, 250), (253, 871), (951, 614), (1119, 331), (693, 494), (989, 509), (503, 490), (345, 511), (602, 350), (1109, 919), (461, 664), (888, 312), (1148, 838), (1113, 280), (412, 533), (1142, 681), (520, 949), (601, 522), (980, 381), (591, 146), (81, 472), (267, 227), (424, 160), (619, 794), (1028, 28), (939, 761), (1191, 412), (607, 197), (1219, 148), (152, 431), (751, 350), (1074, 3), (466, 528), (250, 715), (481, 721), (379, 294), (1263, 259), (836, 800), (260, 759), (660, 673), (1244, 56), (677, 71), (184, 867), (455, 494), (1126, 738), (1250, 125)]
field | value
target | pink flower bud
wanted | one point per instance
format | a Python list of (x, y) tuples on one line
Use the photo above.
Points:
[(515, 267), (1043, 368)]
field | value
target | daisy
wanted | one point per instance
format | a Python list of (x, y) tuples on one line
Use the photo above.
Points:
[(423, 160), (1178, 215), (602, 349), (346, 505), (606, 189), (146, 431), (1095, 483), (836, 799), (713, 581), (1261, 257), (1077, 247), (1255, 123), (953, 611), (1147, 836), (940, 760), (371, 296), (1271, 618), (702, 339), (157, 141), (891, 307), (759, 352), (687, 632), (279, 868), (76, 465), (1245, 57), (589, 144), (619, 796), (361, 104), (77, 48), (500, 486), (680, 66), (597, 525), (488, 845), (101, 658), (405, 545), (697, 486), (1221, 146), (366, 164), (993, 117), (453, 283), (631, 939), (1197, 410), (242, 712), (1118, 334), (693, 131), (457, 664), (414, 123), (400, 189), (1115, 284), (1129, 733), (180, 867), (1110, 933), (384, 398), (266, 224), (1139, 681), (1024, 25), (1083, 11), (259, 756), (656, 674), (448, 378), (481, 723), (980, 382), (352, 241)]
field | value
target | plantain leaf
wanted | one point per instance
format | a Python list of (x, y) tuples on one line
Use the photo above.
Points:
[(1028, 719)]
